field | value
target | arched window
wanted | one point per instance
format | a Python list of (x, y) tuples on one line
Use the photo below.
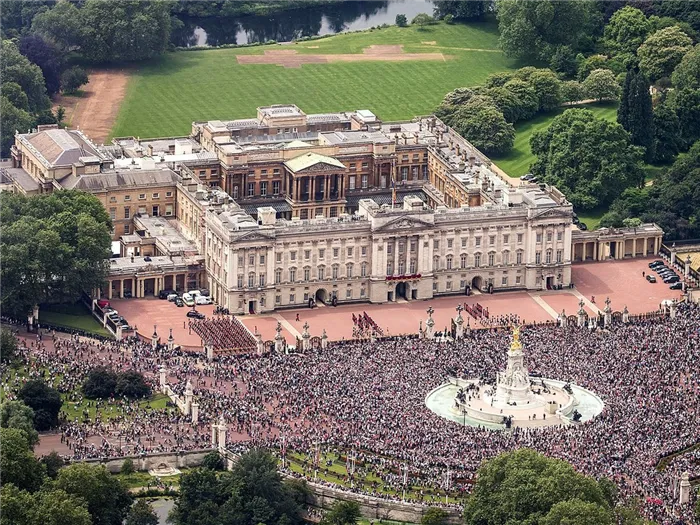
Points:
[(463, 261), (348, 270), (477, 260), (436, 262), (492, 259), (506, 257), (548, 257), (335, 271), (363, 270), (321, 273), (448, 262)]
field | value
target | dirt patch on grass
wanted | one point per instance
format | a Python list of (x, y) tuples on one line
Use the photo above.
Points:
[(431, 43), (385, 53), (95, 111)]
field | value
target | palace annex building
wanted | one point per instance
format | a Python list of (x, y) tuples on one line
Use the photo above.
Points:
[(284, 208)]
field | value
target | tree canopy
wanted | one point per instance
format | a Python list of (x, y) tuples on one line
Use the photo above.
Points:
[(626, 30), (55, 246), (15, 414), (635, 112), (601, 85), (482, 124), (662, 51), (17, 462), (590, 159), (45, 401), (525, 487)]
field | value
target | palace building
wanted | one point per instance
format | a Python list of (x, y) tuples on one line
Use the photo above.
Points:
[(287, 208)]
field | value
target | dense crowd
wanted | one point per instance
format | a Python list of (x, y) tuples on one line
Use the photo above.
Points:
[(225, 334), (372, 397)]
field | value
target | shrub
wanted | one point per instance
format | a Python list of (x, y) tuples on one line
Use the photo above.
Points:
[(128, 467)]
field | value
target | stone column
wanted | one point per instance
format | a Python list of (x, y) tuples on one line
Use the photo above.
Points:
[(396, 258), (684, 492), (171, 341), (430, 324), (109, 289), (305, 337), (459, 323), (189, 394), (581, 314), (209, 351), (154, 338), (222, 434), (162, 377), (195, 413), (214, 434), (121, 288), (625, 315)]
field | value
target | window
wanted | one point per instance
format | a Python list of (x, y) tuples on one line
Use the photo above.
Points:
[(142, 196), (414, 173), (477, 241), (251, 189), (276, 187), (548, 257), (560, 256), (235, 192), (435, 286), (414, 245), (506, 257), (448, 262), (517, 279), (263, 172), (449, 243), (390, 268), (539, 237), (464, 242), (353, 166), (127, 197), (412, 266), (169, 210), (351, 182), (365, 165), (292, 275), (389, 248), (492, 240), (492, 259), (240, 260), (112, 199), (463, 260), (261, 280), (448, 285), (321, 273), (333, 212), (292, 299), (306, 297), (155, 211), (401, 247), (506, 239), (202, 173), (127, 213), (263, 188), (240, 281), (307, 255), (504, 281), (278, 276), (549, 236), (436, 262), (348, 293), (293, 255), (477, 260), (169, 193), (436, 245), (251, 259), (362, 292), (262, 259), (350, 251), (560, 235), (365, 181), (363, 251), (262, 302), (251, 280), (402, 268), (113, 213), (307, 274), (156, 195), (425, 172), (348, 271), (519, 258), (520, 238), (336, 251), (127, 229), (363, 270), (278, 299), (538, 257), (335, 271), (322, 253), (304, 214), (278, 257)]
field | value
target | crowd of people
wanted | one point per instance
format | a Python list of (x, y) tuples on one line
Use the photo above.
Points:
[(225, 334), (372, 398), (364, 326)]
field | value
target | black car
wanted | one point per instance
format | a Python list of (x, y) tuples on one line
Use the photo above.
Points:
[(165, 293), (676, 286), (672, 279), (661, 268), (651, 278), (656, 264), (582, 226), (204, 292), (667, 273), (178, 302), (196, 314)]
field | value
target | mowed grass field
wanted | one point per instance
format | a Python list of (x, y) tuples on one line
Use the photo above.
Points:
[(518, 160), (163, 98)]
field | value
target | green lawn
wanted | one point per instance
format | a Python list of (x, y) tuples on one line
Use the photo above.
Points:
[(592, 218), (71, 316), (518, 160), (109, 409), (164, 97)]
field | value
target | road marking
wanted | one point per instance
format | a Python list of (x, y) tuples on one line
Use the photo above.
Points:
[(544, 305), (287, 325)]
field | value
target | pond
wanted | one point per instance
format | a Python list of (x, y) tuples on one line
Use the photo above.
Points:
[(295, 23)]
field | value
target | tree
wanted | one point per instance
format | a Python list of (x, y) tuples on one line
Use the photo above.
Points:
[(564, 61), (124, 30), (127, 467), (505, 101), (106, 498), (44, 400), (498, 79), (12, 119), (342, 513), (15, 414), (422, 20), (632, 222), (601, 85), (213, 461), (15, 67), (524, 487), (484, 126), (434, 516), (662, 51), (141, 514), (577, 512), (133, 385), (547, 86), (686, 103), (590, 159), (15, 504), (13, 92), (449, 19), (62, 24), (635, 113), (534, 30), (72, 79), (590, 64), (527, 96), (47, 56), (572, 91), (9, 346), (52, 462), (668, 141), (462, 9), (55, 246), (60, 115), (687, 72), (17, 461), (100, 383), (626, 31), (56, 507), (401, 20)]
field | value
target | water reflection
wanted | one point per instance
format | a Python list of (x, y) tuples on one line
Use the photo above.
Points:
[(293, 24)]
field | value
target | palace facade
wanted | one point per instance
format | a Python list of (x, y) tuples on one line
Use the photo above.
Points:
[(285, 208)]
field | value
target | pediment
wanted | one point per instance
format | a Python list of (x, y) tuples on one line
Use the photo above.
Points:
[(403, 224), (555, 212), (319, 167), (253, 236)]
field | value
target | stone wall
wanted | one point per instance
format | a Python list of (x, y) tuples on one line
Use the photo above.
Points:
[(376, 508), (188, 459)]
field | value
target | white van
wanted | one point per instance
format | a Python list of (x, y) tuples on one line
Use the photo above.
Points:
[(203, 299), (188, 299), (195, 293)]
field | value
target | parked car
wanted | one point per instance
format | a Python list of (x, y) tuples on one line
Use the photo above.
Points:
[(194, 293), (172, 297), (165, 293), (676, 286), (582, 226), (122, 321), (203, 299), (672, 279), (179, 303), (188, 299), (204, 291), (654, 264), (651, 278), (527, 177), (661, 268), (196, 314), (128, 295), (667, 273), (103, 303), (126, 327)]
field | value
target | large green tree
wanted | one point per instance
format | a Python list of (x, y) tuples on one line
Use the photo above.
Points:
[(482, 124), (12, 119), (342, 513), (534, 30), (45, 401), (9, 345), (667, 133), (686, 103), (15, 414), (141, 514), (54, 248), (462, 9), (15, 67), (524, 487), (62, 24), (124, 30), (635, 112), (662, 51), (107, 499), (687, 72), (590, 159), (601, 85), (626, 30), (17, 462)]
